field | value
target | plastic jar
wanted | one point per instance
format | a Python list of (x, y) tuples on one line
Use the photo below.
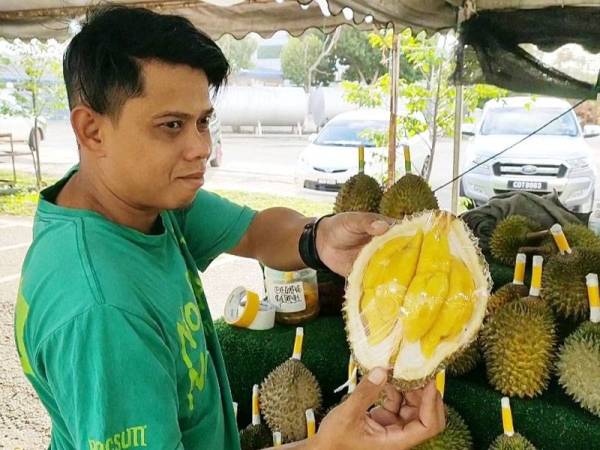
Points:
[(295, 295)]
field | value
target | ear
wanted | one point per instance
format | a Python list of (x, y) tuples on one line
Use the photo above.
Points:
[(88, 127)]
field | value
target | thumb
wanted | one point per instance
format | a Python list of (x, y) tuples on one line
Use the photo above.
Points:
[(368, 390)]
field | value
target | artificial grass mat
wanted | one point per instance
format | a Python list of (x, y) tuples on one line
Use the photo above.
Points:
[(550, 421)]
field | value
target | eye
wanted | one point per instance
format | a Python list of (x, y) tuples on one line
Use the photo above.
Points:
[(173, 125), (204, 123)]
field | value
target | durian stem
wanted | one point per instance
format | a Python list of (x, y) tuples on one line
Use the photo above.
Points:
[(537, 235), (533, 250)]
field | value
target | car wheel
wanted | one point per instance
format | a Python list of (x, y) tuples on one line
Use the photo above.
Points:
[(215, 162), (40, 137)]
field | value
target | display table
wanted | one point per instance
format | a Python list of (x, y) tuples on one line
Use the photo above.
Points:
[(551, 421)]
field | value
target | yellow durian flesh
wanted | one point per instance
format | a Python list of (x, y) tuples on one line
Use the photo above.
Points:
[(414, 307)]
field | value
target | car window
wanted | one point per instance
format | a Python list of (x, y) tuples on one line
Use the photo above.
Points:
[(523, 121), (350, 133)]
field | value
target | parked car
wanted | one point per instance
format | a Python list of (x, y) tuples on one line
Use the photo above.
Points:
[(556, 158), (216, 156), (22, 128), (332, 155)]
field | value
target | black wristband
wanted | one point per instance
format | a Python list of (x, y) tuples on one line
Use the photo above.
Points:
[(307, 245)]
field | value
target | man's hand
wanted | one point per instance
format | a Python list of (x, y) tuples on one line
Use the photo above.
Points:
[(401, 422), (341, 237)]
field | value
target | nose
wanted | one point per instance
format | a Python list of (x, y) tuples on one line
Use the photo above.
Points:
[(198, 145)]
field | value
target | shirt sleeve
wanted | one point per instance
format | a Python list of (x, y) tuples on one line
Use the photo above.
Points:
[(212, 225), (113, 379)]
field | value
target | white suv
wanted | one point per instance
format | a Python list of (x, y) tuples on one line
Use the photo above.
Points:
[(556, 158)]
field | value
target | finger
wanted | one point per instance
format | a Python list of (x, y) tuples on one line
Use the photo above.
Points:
[(384, 417), (393, 399), (373, 425), (429, 410), (413, 398), (367, 391), (408, 413)]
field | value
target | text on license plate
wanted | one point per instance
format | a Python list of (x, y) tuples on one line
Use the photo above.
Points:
[(528, 185)]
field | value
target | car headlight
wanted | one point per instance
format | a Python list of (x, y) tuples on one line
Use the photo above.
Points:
[(579, 163), (482, 167)]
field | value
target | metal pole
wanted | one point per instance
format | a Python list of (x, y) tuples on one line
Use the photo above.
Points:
[(395, 69), (458, 119)]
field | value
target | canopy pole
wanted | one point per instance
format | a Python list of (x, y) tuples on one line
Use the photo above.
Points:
[(458, 121), (393, 108)]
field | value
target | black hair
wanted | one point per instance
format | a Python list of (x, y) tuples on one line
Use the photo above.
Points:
[(102, 63)]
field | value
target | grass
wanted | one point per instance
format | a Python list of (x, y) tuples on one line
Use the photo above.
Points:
[(24, 201)]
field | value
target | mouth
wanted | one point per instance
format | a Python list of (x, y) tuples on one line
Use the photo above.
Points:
[(195, 180)]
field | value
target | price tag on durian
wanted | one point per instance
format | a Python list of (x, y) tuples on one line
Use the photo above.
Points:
[(244, 309), (591, 280)]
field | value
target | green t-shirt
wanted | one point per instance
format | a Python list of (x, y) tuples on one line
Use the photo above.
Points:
[(114, 332)]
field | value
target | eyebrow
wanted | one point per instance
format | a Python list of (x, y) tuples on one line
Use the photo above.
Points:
[(181, 114)]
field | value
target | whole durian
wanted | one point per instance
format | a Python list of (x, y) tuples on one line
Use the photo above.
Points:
[(360, 193), (409, 195), (564, 285), (456, 435), (506, 294), (285, 395), (256, 437), (464, 361), (514, 442), (513, 233), (579, 366), (518, 347)]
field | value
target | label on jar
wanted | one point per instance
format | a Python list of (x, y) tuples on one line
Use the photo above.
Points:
[(287, 297)]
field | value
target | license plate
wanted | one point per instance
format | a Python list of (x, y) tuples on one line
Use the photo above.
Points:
[(528, 185)]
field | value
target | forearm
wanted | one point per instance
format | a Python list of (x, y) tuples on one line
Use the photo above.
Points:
[(306, 444), (273, 239)]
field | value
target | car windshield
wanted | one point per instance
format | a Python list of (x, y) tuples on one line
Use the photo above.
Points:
[(350, 133), (523, 121)]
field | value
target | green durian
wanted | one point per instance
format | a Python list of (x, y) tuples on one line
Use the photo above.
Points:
[(513, 233), (256, 437), (506, 294), (578, 366), (456, 435), (563, 282), (465, 360), (514, 442), (409, 195), (518, 347), (285, 395), (359, 193)]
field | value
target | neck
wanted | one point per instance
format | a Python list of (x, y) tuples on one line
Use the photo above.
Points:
[(85, 191)]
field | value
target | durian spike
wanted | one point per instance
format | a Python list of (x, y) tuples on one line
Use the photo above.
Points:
[(507, 419), (235, 409), (591, 280), (361, 159), (311, 427), (519, 276), (440, 382), (298, 344), (536, 276), (561, 240), (276, 439), (352, 375), (255, 406), (407, 161)]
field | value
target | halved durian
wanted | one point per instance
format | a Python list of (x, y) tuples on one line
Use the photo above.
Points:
[(416, 296)]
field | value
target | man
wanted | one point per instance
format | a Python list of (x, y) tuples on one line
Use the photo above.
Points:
[(112, 325)]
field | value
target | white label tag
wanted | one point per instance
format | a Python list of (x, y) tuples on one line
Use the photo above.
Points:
[(287, 297)]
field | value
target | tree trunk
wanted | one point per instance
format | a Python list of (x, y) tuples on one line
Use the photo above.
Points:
[(329, 44)]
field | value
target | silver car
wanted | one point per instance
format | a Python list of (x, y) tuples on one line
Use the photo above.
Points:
[(556, 158)]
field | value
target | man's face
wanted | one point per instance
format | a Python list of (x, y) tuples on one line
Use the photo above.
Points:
[(156, 151)]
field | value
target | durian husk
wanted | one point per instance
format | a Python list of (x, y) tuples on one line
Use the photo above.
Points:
[(462, 245), (514, 442), (563, 282), (456, 435), (518, 346), (464, 361), (359, 193), (578, 366), (409, 195), (510, 235), (506, 294), (285, 395), (256, 437)]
